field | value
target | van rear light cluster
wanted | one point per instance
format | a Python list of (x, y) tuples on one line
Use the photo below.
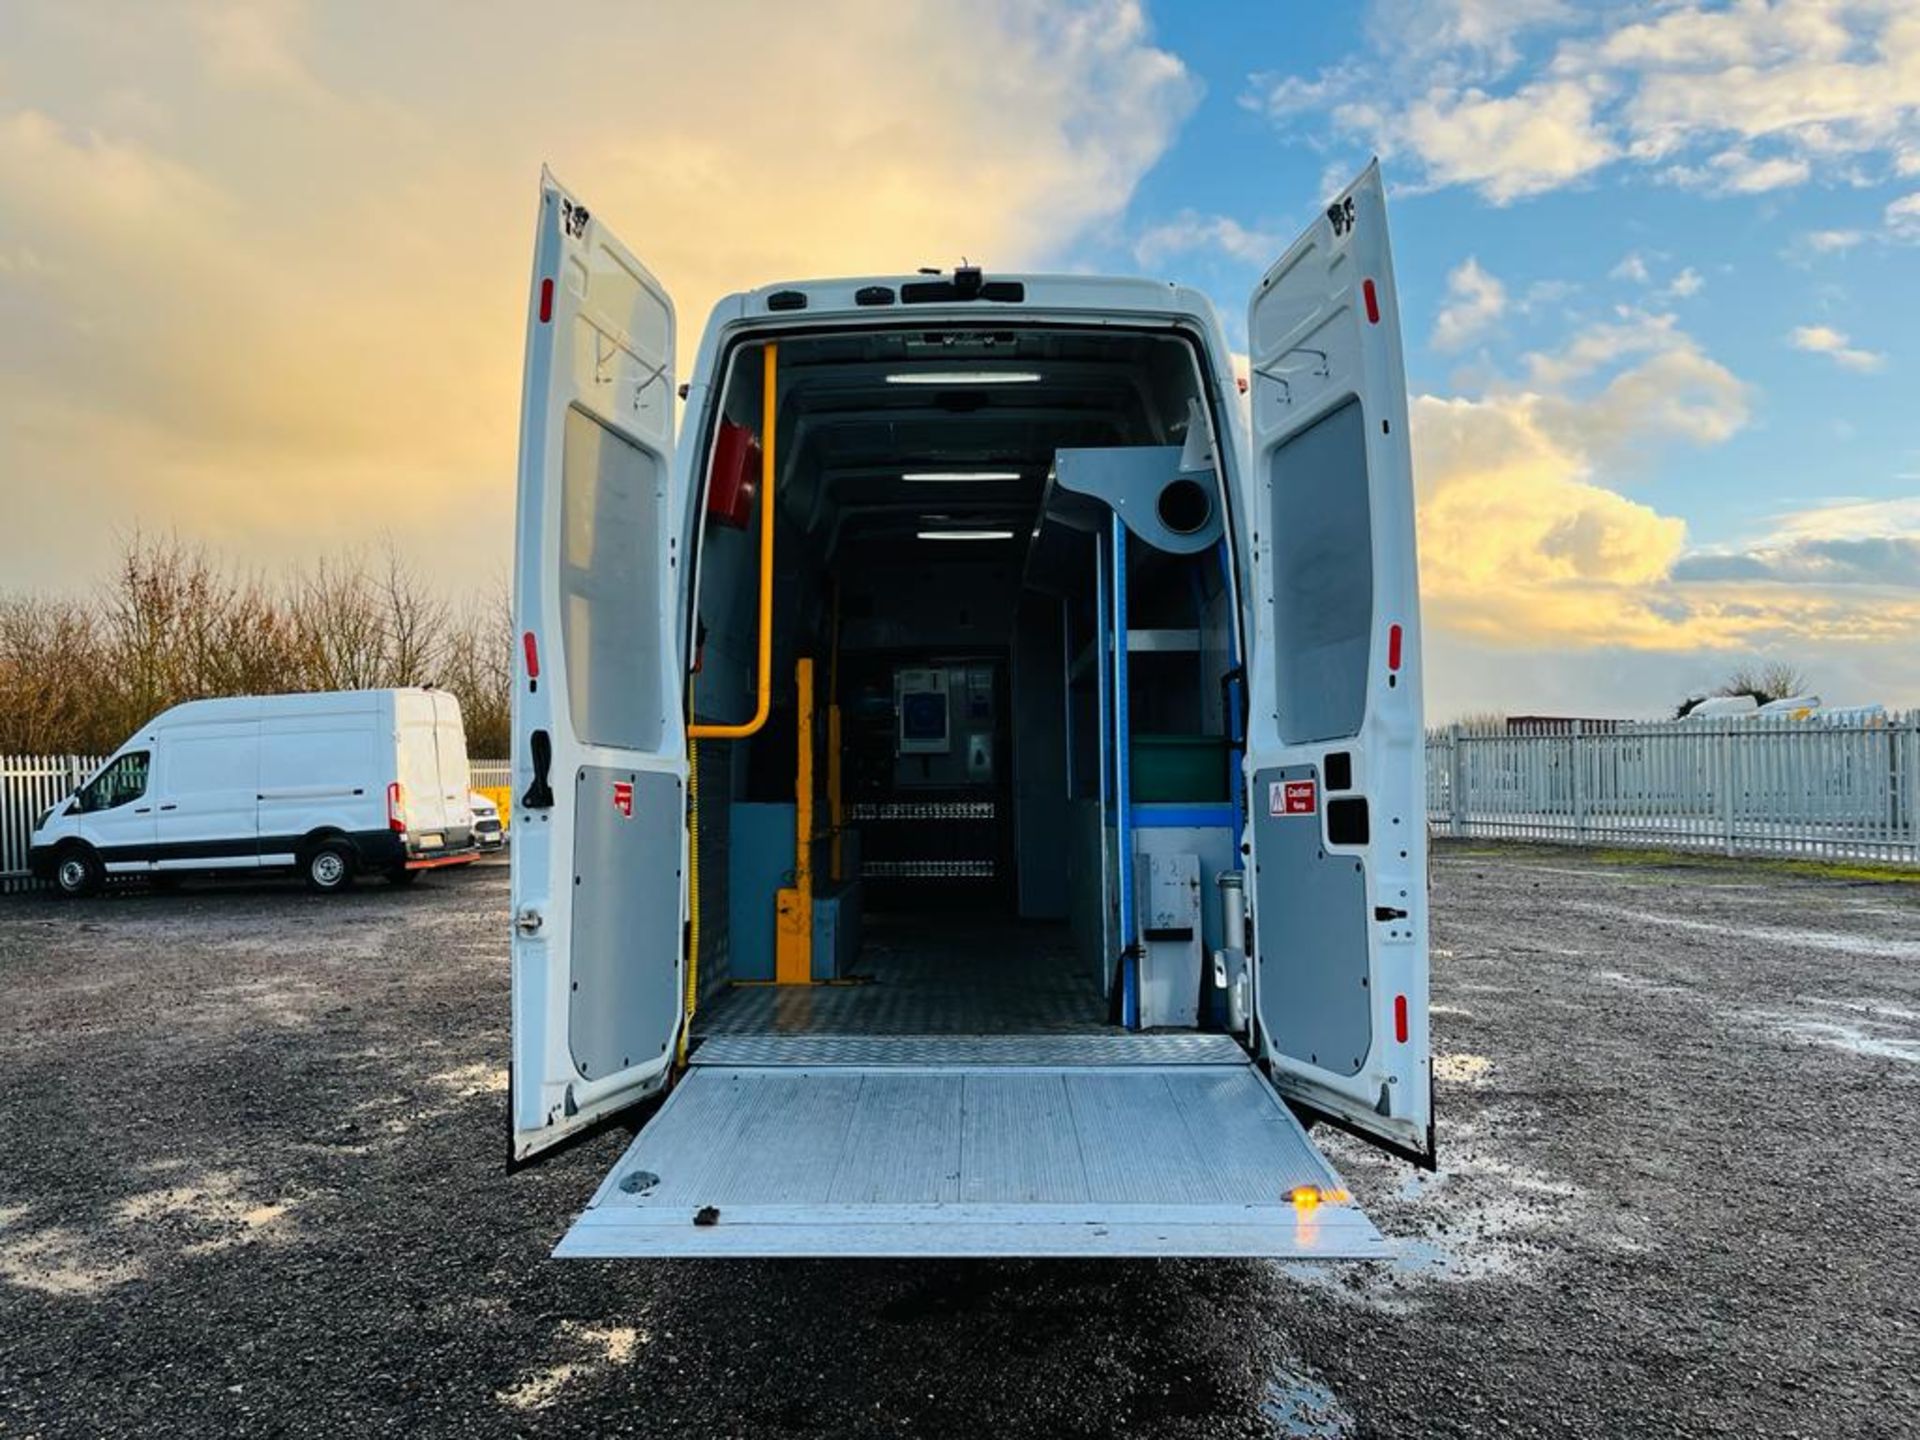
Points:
[(396, 807)]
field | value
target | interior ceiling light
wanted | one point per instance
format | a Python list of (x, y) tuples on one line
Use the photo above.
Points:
[(966, 534), (960, 475), (963, 377)]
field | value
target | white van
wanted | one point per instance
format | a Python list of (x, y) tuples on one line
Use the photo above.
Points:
[(330, 785), (974, 769)]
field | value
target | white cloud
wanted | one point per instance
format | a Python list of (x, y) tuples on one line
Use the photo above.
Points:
[(1852, 519), (1845, 543), (1523, 540), (1475, 301), (1739, 99), (1189, 231), (1686, 284), (1539, 138), (283, 307), (1475, 37), (1631, 267), (1825, 340), (1830, 242), (1280, 97), (1903, 218), (1739, 172)]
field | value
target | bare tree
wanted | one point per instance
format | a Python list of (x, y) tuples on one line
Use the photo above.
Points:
[(478, 669), (342, 632), (416, 622), (1768, 681), (171, 624)]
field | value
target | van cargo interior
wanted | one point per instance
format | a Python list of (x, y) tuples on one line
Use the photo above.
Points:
[(1004, 689)]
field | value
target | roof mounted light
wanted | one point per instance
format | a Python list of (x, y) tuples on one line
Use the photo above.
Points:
[(965, 534), (963, 377), (957, 476)]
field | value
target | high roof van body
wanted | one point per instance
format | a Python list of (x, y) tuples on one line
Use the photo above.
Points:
[(968, 766), (329, 785)]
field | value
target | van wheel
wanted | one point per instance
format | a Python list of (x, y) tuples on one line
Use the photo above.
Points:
[(402, 877), (78, 871), (329, 868)]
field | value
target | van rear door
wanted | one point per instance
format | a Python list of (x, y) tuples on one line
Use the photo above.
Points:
[(1335, 747), (416, 726), (599, 749), (450, 758)]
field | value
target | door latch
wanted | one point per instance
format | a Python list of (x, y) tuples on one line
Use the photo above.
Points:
[(529, 920), (539, 794)]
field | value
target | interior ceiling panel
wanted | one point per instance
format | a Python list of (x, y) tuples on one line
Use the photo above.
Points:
[(852, 433)]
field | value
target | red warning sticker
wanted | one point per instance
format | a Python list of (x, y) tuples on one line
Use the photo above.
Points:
[(1292, 797), (623, 797)]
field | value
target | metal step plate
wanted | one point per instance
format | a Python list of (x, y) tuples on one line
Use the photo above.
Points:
[(1046, 1051), (936, 1158)]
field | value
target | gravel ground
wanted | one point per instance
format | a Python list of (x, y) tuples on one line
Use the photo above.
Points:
[(254, 1184)]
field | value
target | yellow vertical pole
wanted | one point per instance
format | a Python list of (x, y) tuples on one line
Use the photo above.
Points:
[(793, 907)]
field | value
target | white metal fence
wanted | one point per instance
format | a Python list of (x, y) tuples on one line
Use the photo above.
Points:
[(31, 785), (1843, 787)]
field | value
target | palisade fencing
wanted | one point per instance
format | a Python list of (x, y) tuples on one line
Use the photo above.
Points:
[(1837, 787), (490, 774), (31, 785)]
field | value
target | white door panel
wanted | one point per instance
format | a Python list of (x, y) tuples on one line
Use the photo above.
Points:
[(206, 807), (599, 745), (114, 812), (1335, 754)]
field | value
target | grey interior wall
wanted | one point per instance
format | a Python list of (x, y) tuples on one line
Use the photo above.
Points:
[(715, 776), (1039, 761), (928, 606)]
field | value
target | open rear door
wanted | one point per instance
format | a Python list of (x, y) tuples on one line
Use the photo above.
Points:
[(599, 751), (1335, 745)]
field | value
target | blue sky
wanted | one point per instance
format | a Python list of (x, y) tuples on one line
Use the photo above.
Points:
[(1709, 199), (1819, 429), (263, 268)]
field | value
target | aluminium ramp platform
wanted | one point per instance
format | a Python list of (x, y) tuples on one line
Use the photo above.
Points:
[(952, 1146)]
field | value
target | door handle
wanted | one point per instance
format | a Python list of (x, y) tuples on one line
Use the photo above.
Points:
[(143, 809), (169, 807), (539, 794)]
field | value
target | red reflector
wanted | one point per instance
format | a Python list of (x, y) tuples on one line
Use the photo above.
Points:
[(1400, 1018), (1393, 647), (1373, 303), (533, 655), (546, 300)]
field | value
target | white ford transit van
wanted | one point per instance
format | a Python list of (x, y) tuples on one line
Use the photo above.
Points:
[(968, 759), (331, 785)]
